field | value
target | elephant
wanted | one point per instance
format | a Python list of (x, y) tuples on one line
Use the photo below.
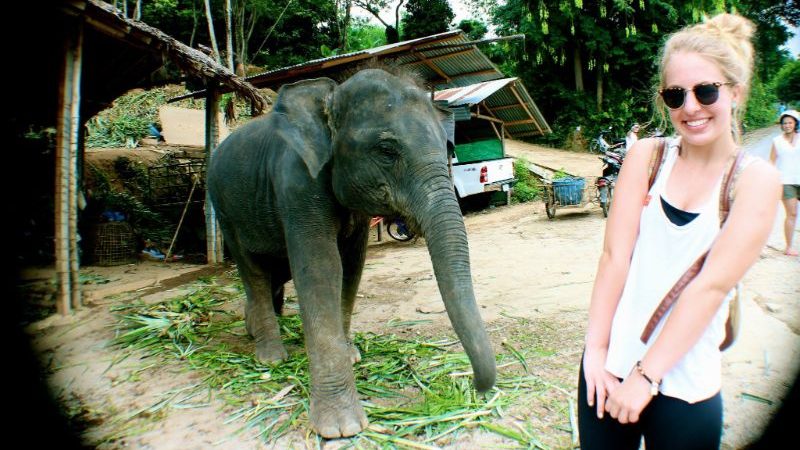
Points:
[(293, 192)]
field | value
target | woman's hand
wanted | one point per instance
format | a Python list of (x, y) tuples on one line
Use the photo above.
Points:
[(599, 382), (627, 402)]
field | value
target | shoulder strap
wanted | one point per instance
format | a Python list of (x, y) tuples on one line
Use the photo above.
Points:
[(727, 193), (656, 161)]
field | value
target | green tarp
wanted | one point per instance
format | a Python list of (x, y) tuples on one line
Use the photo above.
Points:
[(479, 151)]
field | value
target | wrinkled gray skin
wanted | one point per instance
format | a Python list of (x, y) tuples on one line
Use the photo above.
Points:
[(294, 191)]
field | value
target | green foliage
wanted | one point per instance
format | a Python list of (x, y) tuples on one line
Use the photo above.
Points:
[(615, 45), (560, 174), (127, 120), (760, 106), (417, 388), (362, 35), (475, 29), (426, 17), (149, 225), (786, 84), (527, 188)]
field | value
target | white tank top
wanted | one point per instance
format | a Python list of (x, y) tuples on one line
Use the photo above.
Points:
[(788, 159), (662, 253)]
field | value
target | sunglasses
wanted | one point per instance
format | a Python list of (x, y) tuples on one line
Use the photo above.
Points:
[(705, 93)]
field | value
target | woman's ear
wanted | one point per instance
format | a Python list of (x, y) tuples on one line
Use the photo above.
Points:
[(736, 95)]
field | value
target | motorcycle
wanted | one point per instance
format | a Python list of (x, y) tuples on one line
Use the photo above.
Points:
[(612, 163), (395, 226), (600, 144)]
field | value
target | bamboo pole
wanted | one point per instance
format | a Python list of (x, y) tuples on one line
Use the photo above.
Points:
[(212, 137), (67, 100), (180, 222), (75, 128)]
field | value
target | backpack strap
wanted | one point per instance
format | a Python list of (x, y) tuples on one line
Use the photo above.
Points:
[(726, 198), (656, 161)]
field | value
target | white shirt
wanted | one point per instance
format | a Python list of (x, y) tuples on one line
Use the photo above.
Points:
[(630, 138), (662, 253), (788, 158)]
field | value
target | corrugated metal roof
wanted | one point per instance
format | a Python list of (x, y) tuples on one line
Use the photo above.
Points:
[(446, 60), (472, 94), (505, 99)]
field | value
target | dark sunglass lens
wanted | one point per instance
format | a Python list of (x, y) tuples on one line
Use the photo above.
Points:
[(673, 97), (706, 94)]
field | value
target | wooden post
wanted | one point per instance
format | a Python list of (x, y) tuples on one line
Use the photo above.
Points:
[(66, 190), (213, 239)]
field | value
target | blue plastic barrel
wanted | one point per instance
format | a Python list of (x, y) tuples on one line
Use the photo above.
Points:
[(569, 191)]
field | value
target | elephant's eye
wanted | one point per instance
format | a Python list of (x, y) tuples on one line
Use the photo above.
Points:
[(387, 152)]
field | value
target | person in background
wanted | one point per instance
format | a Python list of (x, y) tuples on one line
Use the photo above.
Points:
[(785, 154), (667, 389), (632, 136)]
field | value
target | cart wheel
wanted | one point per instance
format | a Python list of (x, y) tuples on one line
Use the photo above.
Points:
[(550, 208)]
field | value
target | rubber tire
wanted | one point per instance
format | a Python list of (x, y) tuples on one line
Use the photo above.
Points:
[(394, 231), (550, 209)]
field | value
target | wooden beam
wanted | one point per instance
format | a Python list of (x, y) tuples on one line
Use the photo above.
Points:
[(434, 58), (431, 65), (519, 122), (504, 107), (492, 114), (496, 132), (489, 118), (519, 99)]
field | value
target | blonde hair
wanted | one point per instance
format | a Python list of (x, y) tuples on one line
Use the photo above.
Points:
[(724, 40)]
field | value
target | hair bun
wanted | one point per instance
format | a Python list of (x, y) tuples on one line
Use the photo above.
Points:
[(733, 25)]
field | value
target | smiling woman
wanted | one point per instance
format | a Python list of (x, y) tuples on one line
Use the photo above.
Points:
[(667, 381)]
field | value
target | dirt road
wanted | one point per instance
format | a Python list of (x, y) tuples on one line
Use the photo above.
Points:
[(525, 266)]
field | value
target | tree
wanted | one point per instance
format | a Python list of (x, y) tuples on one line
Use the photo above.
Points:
[(212, 35), (375, 7), (786, 83), (229, 35), (426, 17), (474, 29)]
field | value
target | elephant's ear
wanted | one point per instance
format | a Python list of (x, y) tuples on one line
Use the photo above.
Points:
[(448, 120), (305, 105)]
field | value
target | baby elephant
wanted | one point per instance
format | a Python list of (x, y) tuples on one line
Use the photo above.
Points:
[(293, 192)]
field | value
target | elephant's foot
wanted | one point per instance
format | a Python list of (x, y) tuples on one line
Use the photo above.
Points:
[(339, 415), (270, 352)]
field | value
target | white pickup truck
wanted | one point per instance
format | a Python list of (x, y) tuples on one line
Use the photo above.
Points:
[(482, 169)]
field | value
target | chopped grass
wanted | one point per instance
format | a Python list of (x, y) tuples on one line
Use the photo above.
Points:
[(418, 392)]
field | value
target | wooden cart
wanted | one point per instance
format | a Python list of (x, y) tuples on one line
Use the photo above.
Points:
[(563, 195)]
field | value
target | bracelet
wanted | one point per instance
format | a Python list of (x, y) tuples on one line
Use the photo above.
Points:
[(653, 384)]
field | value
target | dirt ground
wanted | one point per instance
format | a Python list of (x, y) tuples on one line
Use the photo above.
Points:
[(524, 266)]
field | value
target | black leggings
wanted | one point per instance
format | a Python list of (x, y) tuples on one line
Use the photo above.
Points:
[(666, 423)]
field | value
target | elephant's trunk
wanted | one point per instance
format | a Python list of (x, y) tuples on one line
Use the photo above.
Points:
[(439, 219)]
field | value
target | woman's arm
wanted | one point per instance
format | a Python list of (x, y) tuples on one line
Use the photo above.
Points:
[(622, 229), (773, 154), (735, 250)]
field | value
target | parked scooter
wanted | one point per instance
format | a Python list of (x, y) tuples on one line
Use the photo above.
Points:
[(601, 144), (612, 163)]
